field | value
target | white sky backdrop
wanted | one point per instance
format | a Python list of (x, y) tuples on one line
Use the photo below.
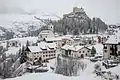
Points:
[(107, 10)]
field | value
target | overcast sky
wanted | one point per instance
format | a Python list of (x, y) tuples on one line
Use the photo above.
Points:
[(107, 10)]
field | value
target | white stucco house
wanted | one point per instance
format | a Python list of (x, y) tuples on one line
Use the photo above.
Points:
[(41, 52), (45, 34), (112, 47), (60, 41), (75, 51), (19, 42)]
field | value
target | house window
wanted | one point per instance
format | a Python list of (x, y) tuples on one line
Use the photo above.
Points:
[(105, 50), (69, 52), (83, 51), (46, 55), (66, 52), (79, 51), (43, 55), (105, 47), (88, 51), (86, 54), (13, 44), (111, 53), (119, 53)]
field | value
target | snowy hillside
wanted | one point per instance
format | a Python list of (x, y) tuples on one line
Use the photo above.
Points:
[(12, 20), (24, 24)]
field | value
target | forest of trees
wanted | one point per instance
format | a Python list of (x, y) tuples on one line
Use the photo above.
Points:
[(79, 23)]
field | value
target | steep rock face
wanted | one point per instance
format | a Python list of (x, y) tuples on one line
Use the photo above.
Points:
[(69, 66), (98, 25), (77, 20)]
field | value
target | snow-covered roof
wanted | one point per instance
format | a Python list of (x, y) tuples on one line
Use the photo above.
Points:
[(58, 38), (67, 37), (51, 45), (89, 35), (113, 39), (46, 32), (12, 50), (34, 48), (72, 47), (44, 45), (115, 69), (98, 47), (53, 39), (66, 47), (25, 39)]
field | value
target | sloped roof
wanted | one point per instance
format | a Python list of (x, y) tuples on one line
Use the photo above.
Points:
[(53, 39), (24, 40), (12, 50), (73, 48), (34, 48), (113, 39), (98, 47), (44, 45)]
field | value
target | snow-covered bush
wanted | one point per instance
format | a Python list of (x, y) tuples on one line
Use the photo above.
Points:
[(97, 69)]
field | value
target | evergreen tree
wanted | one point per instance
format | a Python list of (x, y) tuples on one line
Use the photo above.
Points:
[(27, 43), (93, 51), (23, 56), (99, 39), (76, 32)]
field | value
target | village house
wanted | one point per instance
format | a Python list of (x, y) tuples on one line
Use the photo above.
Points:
[(112, 47), (41, 52), (67, 40), (19, 42), (46, 33), (56, 40), (60, 41), (75, 51)]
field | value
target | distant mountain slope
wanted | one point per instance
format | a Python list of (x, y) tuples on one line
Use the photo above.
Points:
[(23, 24), (5, 33)]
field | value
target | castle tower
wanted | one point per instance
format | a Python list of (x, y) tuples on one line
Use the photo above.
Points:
[(76, 9)]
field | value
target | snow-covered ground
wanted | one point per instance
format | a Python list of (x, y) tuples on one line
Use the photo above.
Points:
[(87, 74)]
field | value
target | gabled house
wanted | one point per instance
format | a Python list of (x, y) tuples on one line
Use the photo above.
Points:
[(75, 51), (41, 52), (112, 47), (59, 41)]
